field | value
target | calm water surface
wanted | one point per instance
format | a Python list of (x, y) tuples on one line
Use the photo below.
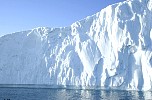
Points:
[(69, 94)]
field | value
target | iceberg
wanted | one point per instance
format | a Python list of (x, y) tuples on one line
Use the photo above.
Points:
[(111, 49)]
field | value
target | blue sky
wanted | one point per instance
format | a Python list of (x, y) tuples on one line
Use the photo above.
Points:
[(19, 15)]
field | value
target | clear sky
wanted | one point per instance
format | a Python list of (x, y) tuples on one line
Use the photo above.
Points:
[(19, 15)]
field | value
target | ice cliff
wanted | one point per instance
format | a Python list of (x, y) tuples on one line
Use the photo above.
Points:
[(110, 49)]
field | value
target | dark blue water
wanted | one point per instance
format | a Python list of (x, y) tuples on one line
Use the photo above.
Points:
[(69, 94)]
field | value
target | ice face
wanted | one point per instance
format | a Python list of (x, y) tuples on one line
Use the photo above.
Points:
[(110, 49)]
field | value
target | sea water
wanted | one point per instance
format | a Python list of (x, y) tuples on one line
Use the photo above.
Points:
[(14, 93)]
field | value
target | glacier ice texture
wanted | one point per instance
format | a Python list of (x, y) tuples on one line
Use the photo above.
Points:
[(111, 49)]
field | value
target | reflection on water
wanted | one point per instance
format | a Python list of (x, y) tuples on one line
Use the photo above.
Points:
[(69, 94)]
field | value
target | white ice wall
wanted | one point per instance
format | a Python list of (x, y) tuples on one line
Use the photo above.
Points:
[(111, 49)]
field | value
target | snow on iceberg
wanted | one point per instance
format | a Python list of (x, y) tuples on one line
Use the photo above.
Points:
[(110, 49)]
